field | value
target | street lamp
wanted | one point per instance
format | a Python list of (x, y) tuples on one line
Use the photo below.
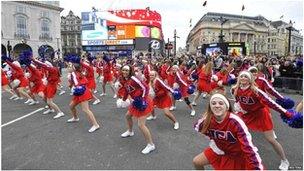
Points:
[(289, 28), (175, 36), (221, 36)]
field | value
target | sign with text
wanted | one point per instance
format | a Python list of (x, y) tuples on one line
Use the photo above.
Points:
[(107, 42)]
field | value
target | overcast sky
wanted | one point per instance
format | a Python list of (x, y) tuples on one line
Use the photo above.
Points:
[(176, 14)]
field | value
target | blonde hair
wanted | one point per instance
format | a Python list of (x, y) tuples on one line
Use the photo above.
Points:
[(208, 68), (252, 84)]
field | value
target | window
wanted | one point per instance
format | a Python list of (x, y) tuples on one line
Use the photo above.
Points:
[(45, 26), (45, 14), (21, 9), (21, 25)]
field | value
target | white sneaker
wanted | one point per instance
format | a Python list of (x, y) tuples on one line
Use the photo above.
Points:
[(13, 97), (93, 128), (115, 96), (284, 165), (176, 125), (204, 95), (20, 98), (17, 98), (48, 111), (61, 93), (60, 114), (151, 117), (96, 102), (275, 136), (192, 112), (127, 134), (28, 101), (172, 108), (73, 120), (95, 91), (148, 149), (193, 104), (46, 107), (102, 94), (32, 103), (180, 100)]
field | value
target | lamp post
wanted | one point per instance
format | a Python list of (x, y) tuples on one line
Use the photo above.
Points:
[(221, 36), (175, 36), (289, 28)]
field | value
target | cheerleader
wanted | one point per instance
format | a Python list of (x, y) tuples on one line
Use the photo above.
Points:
[(35, 76), (230, 146), (162, 99), (89, 70), (140, 108), (5, 83), (108, 76), (253, 106), (183, 86), (51, 87), (204, 80), (79, 82)]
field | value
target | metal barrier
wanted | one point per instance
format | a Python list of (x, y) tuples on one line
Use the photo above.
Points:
[(288, 85)]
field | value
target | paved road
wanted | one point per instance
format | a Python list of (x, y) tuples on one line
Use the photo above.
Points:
[(40, 142)]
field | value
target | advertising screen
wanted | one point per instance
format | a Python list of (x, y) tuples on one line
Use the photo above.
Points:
[(125, 32), (211, 50), (155, 33), (235, 51), (95, 30), (142, 31)]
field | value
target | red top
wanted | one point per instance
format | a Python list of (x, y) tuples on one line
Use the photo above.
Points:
[(53, 76), (135, 88)]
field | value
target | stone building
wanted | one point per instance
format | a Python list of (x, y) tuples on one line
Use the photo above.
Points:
[(27, 25), (71, 34)]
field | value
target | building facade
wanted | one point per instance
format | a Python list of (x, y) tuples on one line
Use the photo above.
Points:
[(257, 33), (71, 34), (27, 25)]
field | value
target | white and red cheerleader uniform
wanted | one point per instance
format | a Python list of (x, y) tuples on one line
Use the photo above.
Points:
[(17, 73), (255, 106), (53, 78), (4, 80), (266, 86), (231, 146), (146, 72), (107, 72), (137, 88), (162, 73), (36, 78), (78, 79), (98, 65), (162, 98), (181, 80), (121, 90), (89, 75), (220, 77), (204, 82)]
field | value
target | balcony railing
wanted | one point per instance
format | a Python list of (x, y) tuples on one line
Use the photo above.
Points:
[(21, 35), (45, 36)]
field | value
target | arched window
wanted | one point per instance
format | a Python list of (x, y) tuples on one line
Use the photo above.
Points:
[(21, 25)]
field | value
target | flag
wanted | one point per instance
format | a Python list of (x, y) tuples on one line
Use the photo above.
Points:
[(281, 16), (190, 22), (205, 3), (243, 7)]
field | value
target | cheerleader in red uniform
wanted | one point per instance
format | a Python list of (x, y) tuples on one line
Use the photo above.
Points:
[(79, 81), (108, 77), (230, 146), (162, 99), (5, 83), (98, 65), (89, 70), (138, 91), (51, 87), (147, 70), (18, 76), (204, 80), (180, 79), (38, 86), (253, 105)]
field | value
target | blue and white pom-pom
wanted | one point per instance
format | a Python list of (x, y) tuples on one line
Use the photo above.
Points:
[(140, 103), (231, 79), (25, 58), (295, 121), (191, 89), (286, 103), (177, 94), (194, 76), (78, 90)]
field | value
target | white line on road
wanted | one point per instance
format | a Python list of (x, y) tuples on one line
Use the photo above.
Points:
[(22, 117)]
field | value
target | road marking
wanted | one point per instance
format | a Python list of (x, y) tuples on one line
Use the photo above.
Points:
[(22, 117)]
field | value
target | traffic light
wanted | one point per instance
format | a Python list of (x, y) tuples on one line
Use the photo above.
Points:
[(168, 46)]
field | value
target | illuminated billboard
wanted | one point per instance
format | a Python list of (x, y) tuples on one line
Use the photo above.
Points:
[(142, 31), (95, 29), (155, 33)]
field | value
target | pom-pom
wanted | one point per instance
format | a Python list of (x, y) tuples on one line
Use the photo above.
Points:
[(25, 58), (78, 90), (125, 104), (194, 76), (214, 78), (75, 59), (286, 103), (118, 103), (299, 63), (140, 103), (177, 94), (117, 85), (191, 89), (295, 121)]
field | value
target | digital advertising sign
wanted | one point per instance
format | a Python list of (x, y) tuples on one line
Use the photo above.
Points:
[(142, 31)]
